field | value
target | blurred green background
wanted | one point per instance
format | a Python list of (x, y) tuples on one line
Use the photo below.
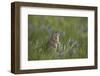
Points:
[(73, 37)]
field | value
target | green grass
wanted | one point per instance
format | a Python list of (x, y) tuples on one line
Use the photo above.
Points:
[(73, 37)]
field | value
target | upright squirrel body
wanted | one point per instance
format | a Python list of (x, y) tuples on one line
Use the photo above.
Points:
[(54, 40)]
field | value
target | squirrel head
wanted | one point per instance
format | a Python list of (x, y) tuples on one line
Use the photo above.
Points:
[(56, 35)]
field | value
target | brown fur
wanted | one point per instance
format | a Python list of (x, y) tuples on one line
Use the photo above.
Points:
[(54, 40)]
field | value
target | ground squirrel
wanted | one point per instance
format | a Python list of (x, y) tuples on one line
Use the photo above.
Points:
[(54, 40)]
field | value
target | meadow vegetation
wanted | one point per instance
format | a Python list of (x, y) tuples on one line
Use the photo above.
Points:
[(73, 37)]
